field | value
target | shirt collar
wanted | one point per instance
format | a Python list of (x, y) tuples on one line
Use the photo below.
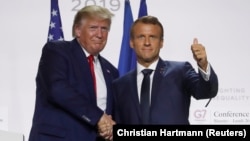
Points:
[(152, 66), (87, 54)]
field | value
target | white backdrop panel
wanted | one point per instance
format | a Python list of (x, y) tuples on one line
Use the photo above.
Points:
[(223, 27)]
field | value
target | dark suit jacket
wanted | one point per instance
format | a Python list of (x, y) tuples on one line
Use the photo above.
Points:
[(173, 85), (66, 107)]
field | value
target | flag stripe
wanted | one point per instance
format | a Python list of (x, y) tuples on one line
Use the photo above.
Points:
[(127, 60), (143, 11), (126, 52)]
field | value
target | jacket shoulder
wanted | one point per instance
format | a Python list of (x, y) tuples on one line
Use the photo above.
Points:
[(170, 63), (57, 44)]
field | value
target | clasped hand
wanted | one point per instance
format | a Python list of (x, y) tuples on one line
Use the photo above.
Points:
[(105, 127)]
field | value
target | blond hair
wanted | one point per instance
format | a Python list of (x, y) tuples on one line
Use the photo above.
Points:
[(91, 11)]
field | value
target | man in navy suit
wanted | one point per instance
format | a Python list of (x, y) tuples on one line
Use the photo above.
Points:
[(69, 107), (172, 83)]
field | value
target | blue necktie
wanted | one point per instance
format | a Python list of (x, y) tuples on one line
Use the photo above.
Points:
[(145, 96)]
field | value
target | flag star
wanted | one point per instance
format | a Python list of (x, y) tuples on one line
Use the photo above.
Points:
[(54, 12), (50, 37), (61, 38), (52, 25), (55, 26)]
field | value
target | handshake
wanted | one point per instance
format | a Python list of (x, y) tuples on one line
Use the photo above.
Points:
[(105, 127)]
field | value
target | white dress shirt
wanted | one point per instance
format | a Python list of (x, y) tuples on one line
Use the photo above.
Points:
[(101, 89)]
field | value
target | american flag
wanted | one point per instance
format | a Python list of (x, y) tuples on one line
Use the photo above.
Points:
[(55, 26)]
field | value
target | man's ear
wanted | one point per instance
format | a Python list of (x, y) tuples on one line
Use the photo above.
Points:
[(162, 41), (131, 43), (77, 30)]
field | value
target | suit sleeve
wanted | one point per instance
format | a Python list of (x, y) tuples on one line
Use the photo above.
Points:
[(197, 86)]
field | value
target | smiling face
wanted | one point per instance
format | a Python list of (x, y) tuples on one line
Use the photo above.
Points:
[(146, 41), (92, 34)]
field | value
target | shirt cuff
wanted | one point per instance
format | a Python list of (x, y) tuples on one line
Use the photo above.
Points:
[(205, 74)]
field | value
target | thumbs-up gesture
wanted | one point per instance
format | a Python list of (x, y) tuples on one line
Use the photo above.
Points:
[(199, 54)]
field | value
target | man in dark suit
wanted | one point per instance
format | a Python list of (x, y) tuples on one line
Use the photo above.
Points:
[(172, 83), (71, 103)]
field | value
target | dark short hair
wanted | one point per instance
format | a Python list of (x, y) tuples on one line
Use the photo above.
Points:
[(147, 20)]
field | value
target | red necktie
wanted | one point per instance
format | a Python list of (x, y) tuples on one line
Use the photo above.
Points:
[(91, 65)]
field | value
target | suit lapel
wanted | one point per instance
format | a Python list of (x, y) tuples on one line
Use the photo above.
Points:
[(135, 98), (83, 71), (160, 71), (105, 70), (108, 79), (133, 94)]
